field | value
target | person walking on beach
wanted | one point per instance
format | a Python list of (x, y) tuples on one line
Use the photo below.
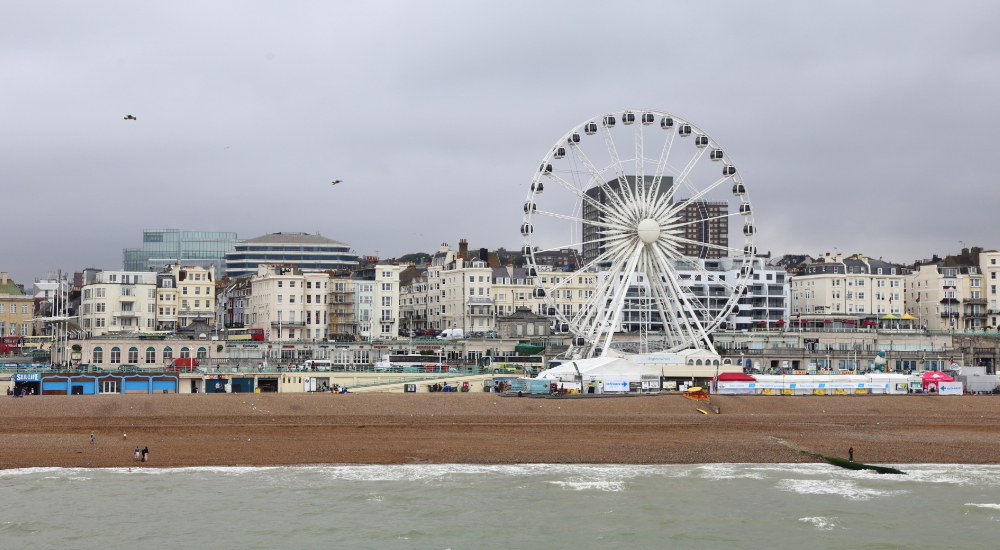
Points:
[(91, 438), (137, 452), (850, 453), (145, 454)]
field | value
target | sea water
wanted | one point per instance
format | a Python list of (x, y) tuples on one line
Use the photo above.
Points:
[(525, 506)]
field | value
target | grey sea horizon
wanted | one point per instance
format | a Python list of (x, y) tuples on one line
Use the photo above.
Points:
[(496, 506)]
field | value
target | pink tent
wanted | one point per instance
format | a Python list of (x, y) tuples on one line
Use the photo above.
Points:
[(932, 378)]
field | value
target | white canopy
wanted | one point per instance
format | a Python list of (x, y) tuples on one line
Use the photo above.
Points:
[(600, 368)]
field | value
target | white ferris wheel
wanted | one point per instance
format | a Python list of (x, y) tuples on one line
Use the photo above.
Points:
[(632, 194)]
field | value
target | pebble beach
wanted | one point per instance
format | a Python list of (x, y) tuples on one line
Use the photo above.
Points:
[(476, 428)]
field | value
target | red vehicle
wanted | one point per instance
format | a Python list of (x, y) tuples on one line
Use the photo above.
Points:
[(257, 334), (9, 344)]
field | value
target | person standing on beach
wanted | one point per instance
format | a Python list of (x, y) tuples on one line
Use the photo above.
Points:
[(145, 454), (91, 438), (137, 452), (850, 453)]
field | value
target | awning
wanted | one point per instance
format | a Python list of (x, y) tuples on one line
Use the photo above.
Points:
[(849, 322), (870, 322), (888, 317), (908, 317), (827, 321), (780, 322), (761, 322), (735, 377)]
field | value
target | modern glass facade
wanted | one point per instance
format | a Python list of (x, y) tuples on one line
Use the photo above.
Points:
[(162, 247), (302, 249)]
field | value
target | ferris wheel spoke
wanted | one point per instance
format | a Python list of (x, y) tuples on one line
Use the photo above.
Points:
[(619, 299), (640, 170), (574, 245), (696, 327), (623, 186), (681, 240), (586, 198), (605, 225), (696, 266), (675, 306), (605, 255), (666, 209), (661, 165), (605, 299), (676, 225), (667, 318), (598, 180)]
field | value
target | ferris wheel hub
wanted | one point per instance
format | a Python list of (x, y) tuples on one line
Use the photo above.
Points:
[(648, 230)]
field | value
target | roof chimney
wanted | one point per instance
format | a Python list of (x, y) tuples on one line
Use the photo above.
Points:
[(3, 276), (463, 248)]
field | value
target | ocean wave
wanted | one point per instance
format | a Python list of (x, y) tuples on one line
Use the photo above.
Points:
[(992, 506), (611, 486), (844, 487), (821, 523)]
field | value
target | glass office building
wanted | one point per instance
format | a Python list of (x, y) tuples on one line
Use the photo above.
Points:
[(162, 247), (302, 249)]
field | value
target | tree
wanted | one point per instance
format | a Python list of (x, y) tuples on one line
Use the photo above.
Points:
[(416, 257)]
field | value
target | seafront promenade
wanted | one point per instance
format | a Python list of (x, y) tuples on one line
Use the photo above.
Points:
[(483, 428)]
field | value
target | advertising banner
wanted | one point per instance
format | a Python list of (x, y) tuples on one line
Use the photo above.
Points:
[(949, 388), (615, 385)]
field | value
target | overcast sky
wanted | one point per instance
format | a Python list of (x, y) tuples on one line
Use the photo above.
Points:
[(869, 127)]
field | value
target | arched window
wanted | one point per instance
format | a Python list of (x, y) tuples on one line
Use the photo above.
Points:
[(133, 355), (97, 355), (185, 353), (698, 362), (716, 362), (150, 355), (202, 353), (691, 362), (116, 355), (168, 354), (727, 361)]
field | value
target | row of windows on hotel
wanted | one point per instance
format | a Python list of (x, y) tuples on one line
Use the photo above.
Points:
[(13, 308), (132, 357)]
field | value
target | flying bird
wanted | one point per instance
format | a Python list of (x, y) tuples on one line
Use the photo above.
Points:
[(130, 117), (336, 182)]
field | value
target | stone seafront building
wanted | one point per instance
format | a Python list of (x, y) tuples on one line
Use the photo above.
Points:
[(16, 308), (471, 290), (294, 304), (954, 293), (129, 301), (856, 290)]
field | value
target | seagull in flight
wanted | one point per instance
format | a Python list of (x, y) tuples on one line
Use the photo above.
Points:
[(336, 182), (130, 117)]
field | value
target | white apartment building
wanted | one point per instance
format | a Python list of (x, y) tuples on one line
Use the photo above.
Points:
[(849, 290), (377, 301), (708, 285), (277, 302), (119, 301), (945, 297), (292, 304)]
